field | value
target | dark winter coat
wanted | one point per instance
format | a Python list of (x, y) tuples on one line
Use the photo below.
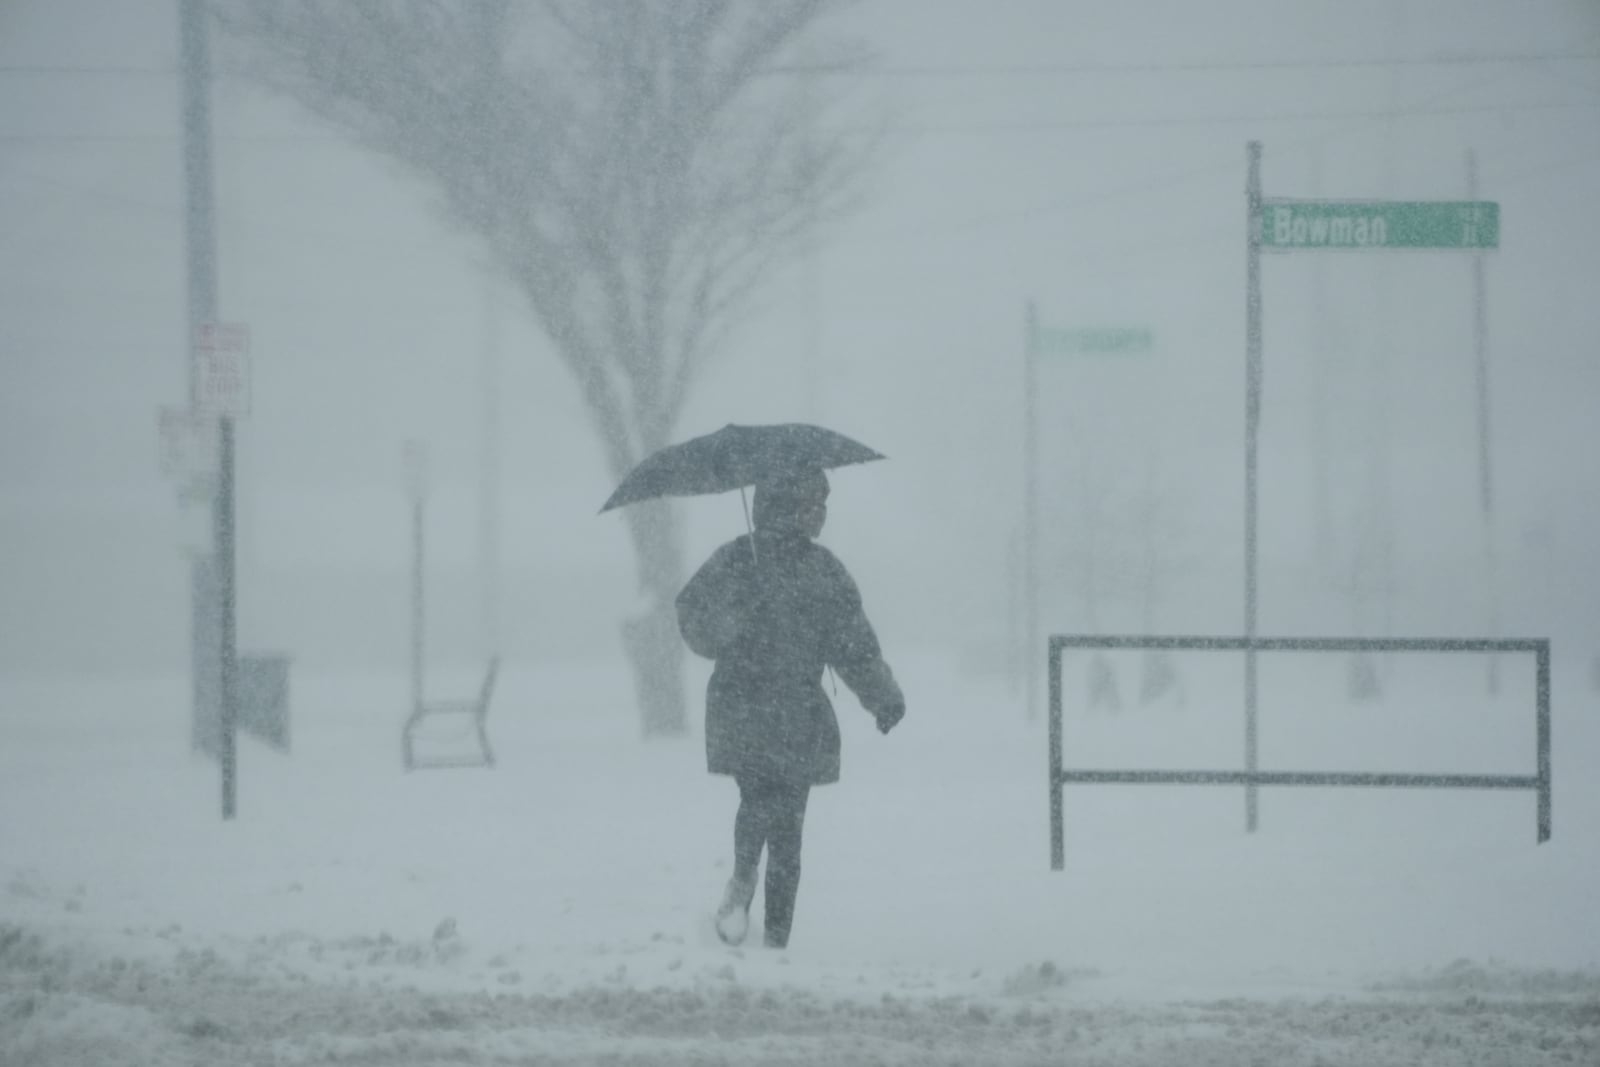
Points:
[(772, 620)]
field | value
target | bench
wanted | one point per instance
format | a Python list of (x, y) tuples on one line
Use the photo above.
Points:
[(475, 712)]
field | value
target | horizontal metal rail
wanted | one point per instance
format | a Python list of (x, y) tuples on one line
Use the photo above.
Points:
[(1059, 775), (1424, 781), (1298, 644)]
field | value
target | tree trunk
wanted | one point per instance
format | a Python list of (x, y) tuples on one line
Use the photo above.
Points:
[(651, 640)]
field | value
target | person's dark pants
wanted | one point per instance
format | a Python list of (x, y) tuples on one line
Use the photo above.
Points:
[(771, 814)]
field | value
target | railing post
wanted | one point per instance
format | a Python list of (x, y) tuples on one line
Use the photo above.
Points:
[(1543, 698), (1057, 833)]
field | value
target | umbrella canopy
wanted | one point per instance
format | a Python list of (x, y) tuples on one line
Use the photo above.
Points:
[(735, 457)]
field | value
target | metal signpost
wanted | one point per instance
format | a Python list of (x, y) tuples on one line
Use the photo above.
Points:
[(1286, 225)]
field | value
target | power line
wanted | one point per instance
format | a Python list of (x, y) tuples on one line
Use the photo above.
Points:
[(1003, 70), (973, 129), (1168, 180), (1199, 66), (1218, 120), (169, 138)]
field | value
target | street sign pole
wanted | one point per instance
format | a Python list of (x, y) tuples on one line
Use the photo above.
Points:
[(1480, 346), (1252, 426)]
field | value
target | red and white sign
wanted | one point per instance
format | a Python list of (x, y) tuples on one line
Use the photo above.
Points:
[(222, 369)]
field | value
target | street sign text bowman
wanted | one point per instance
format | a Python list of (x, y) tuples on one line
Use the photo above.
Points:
[(1370, 224)]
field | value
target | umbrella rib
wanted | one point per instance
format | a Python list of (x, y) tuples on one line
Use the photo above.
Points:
[(754, 556)]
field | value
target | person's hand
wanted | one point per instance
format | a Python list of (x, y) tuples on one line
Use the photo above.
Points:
[(890, 716)]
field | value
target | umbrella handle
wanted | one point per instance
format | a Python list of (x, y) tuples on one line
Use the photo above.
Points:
[(747, 525)]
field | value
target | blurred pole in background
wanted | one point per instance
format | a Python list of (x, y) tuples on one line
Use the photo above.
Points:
[(1016, 661), (1480, 345), (416, 466), (1030, 513), (489, 474), (489, 445)]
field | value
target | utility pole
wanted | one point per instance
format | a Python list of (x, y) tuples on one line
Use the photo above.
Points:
[(201, 246), (1030, 511)]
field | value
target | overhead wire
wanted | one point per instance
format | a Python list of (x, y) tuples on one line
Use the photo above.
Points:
[(1161, 183), (1170, 180), (971, 70)]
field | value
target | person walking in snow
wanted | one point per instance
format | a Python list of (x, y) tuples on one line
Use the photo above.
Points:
[(772, 608)]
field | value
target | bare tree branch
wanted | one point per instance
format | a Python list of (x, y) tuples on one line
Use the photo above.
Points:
[(638, 167)]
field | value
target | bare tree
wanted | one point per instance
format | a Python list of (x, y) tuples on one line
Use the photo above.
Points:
[(636, 167)]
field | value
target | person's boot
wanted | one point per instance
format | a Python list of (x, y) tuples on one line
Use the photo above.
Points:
[(782, 883), (733, 917)]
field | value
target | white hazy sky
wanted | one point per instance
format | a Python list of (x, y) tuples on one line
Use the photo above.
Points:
[(1089, 157)]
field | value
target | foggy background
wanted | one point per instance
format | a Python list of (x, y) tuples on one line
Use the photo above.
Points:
[(1088, 157)]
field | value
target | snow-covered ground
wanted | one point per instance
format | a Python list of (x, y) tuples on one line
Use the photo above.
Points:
[(555, 909)]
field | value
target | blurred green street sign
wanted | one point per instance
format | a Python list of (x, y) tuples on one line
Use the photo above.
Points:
[(1111, 340), (1369, 224)]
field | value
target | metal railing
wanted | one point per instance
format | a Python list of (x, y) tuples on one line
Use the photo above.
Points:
[(1252, 777)]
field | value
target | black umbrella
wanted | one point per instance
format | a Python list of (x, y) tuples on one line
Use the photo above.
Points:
[(735, 457)]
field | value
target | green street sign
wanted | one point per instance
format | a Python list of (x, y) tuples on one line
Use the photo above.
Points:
[(1110, 340), (1369, 224)]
